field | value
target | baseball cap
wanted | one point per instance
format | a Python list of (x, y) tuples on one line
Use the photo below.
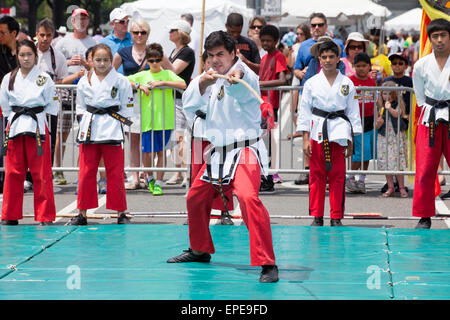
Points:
[(117, 14), (79, 11), (62, 29), (393, 56), (180, 25)]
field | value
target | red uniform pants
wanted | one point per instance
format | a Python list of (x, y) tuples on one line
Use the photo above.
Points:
[(245, 186), (113, 156), (197, 161), (318, 180), (21, 156), (427, 162)]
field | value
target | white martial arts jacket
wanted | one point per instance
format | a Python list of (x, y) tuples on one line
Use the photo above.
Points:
[(113, 90), (318, 93), (232, 115), (429, 81), (36, 90)]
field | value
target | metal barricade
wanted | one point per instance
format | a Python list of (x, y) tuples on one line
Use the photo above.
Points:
[(67, 117)]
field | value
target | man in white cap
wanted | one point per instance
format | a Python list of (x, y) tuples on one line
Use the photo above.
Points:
[(61, 34), (119, 37), (73, 46)]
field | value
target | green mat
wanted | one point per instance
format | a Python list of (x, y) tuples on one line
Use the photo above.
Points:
[(129, 262)]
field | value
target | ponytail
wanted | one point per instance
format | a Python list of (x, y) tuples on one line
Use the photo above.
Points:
[(12, 79)]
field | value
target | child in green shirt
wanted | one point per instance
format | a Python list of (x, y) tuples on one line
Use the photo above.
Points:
[(157, 113)]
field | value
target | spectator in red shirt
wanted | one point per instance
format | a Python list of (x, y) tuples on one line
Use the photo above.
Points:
[(272, 73), (363, 152)]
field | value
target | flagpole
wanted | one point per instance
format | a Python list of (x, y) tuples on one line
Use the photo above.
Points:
[(200, 65)]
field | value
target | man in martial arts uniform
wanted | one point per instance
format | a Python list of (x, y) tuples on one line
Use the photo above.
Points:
[(329, 116), (233, 118), (431, 80)]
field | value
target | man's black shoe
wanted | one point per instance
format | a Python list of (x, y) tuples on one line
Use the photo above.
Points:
[(79, 220), (10, 222), (225, 219), (46, 223), (424, 223), (317, 222), (123, 219), (445, 196), (189, 256), (267, 185), (269, 274), (336, 223)]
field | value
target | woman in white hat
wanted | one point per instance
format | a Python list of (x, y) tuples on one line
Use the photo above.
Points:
[(355, 44)]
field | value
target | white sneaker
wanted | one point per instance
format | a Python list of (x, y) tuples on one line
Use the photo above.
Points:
[(174, 180), (351, 186), (27, 186), (183, 184)]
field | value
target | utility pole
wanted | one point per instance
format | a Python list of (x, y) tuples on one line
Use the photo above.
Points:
[(258, 5)]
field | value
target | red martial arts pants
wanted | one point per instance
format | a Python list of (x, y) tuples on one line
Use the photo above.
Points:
[(22, 155), (245, 186), (318, 180), (113, 156), (197, 161), (427, 162)]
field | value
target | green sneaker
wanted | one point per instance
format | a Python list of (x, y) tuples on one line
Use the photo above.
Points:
[(157, 190), (59, 179), (151, 185)]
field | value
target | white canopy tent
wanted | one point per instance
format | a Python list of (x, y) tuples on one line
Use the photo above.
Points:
[(159, 14), (409, 20), (342, 12)]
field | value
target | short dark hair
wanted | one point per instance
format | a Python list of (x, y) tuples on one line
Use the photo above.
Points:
[(188, 17), (220, 38), (328, 46), (88, 51), (235, 19), (318, 15), (47, 24), (12, 24), (154, 50), (438, 25), (362, 57), (204, 56), (270, 30)]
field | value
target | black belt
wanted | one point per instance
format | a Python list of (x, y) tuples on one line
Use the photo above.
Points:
[(436, 104), (200, 114), (112, 111), (224, 150), (326, 143), (19, 111)]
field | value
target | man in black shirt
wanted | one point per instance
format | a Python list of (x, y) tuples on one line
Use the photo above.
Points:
[(246, 48), (9, 28)]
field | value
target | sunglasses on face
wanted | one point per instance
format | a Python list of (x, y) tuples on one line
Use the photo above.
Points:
[(121, 21), (313, 25), (154, 60), (355, 47), (139, 33), (256, 27)]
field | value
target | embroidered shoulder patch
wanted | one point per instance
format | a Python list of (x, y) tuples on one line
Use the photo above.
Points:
[(114, 91), (345, 89), (41, 80)]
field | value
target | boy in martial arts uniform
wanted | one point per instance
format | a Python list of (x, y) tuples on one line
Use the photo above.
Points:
[(27, 94), (233, 118), (104, 100), (329, 116), (431, 81), (200, 145)]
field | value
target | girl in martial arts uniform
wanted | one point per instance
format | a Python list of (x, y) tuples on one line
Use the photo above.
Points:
[(104, 102), (329, 115), (27, 94)]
